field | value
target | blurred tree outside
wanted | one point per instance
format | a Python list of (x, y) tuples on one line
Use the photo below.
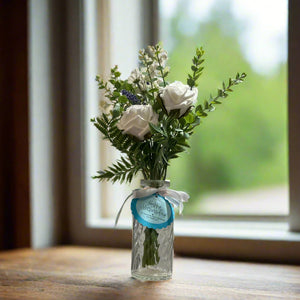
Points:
[(242, 145)]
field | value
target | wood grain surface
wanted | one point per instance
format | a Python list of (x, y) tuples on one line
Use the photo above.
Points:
[(101, 273)]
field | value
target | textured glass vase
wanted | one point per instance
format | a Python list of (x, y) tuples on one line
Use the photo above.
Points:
[(152, 249)]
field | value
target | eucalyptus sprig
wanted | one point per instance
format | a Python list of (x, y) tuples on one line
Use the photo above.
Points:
[(196, 68), (208, 106)]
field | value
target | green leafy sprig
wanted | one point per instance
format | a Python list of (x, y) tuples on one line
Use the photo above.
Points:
[(196, 68), (208, 106)]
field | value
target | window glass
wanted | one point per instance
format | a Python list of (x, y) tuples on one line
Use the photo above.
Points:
[(237, 163), (105, 46)]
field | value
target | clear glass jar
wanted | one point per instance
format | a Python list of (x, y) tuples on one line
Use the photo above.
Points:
[(152, 249)]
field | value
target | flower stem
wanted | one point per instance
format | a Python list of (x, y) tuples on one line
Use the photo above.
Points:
[(142, 92), (151, 256)]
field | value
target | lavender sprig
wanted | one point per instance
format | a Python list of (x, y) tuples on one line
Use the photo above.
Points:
[(131, 97)]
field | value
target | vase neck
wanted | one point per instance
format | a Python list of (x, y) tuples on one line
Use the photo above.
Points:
[(155, 183)]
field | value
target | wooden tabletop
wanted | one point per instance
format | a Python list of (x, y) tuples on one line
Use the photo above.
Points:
[(101, 273)]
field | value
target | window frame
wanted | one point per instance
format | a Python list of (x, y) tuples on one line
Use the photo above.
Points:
[(293, 109), (282, 245)]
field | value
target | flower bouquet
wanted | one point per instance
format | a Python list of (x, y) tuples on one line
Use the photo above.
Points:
[(150, 121)]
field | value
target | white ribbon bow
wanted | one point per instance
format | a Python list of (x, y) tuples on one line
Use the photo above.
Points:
[(176, 198)]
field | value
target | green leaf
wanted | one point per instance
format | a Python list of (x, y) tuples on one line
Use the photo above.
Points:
[(123, 99), (116, 110), (156, 129)]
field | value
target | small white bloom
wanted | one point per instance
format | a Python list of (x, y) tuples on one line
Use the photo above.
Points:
[(156, 83), (153, 69), (105, 106), (166, 69), (135, 120), (143, 84), (135, 74), (144, 71), (151, 72), (163, 57), (151, 50), (179, 96), (110, 87)]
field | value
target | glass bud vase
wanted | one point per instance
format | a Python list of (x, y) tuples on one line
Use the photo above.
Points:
[(152, 248)]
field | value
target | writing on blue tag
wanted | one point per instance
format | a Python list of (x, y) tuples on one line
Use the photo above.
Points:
[(153, 211)]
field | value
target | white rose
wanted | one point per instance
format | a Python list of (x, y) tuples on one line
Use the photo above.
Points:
[(135, 120), (179, 96)]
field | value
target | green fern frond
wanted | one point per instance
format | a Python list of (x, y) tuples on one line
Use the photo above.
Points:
[(122, 170)]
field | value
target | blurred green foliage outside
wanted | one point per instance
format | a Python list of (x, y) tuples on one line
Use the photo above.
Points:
[(242, 144)]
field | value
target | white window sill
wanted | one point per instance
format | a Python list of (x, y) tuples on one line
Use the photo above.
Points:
[(235, 240), (254, 230)]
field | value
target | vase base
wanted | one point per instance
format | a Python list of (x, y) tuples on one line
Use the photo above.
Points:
[(146, 274)]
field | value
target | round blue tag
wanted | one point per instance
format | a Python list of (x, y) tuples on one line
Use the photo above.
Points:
[(153, 211)]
